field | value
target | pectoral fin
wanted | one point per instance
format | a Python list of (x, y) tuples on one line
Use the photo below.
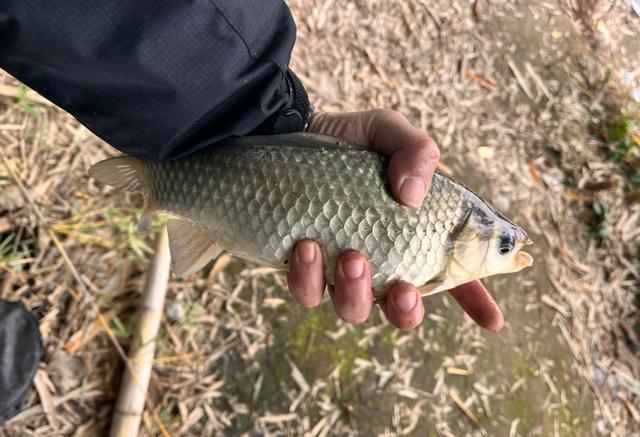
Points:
[(191, 247), (429, 288), (433, 286)]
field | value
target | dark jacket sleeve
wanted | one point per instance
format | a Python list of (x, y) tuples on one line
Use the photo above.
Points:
[(159, 79)]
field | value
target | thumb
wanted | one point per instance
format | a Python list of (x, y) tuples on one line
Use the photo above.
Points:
[(413, 154)]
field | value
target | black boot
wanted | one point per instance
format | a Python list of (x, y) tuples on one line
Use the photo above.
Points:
[(20, 351)]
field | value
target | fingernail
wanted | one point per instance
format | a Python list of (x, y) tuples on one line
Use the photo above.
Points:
[(353, 268), (406, 300), (413, 190), (306, 251)]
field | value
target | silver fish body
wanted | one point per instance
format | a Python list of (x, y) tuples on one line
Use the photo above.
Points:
[(257, 196)]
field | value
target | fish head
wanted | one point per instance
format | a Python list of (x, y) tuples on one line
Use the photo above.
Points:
[(504, 254), (486, 244)]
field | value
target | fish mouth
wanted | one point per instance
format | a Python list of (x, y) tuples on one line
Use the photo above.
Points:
[(522, 237), (522, 260)]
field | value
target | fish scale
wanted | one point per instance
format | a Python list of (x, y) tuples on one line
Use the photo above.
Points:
[(257, 201)]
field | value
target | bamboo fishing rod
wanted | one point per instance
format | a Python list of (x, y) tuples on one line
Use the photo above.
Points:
[(135, 380)]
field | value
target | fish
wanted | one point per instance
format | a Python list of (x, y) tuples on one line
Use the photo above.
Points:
[(256, 196)]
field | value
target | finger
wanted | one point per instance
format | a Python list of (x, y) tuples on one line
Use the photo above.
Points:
[(410, 172), (384, 130), (351, 295), (414, 156), (306, 275), (388, 131), (403, 306), (345, 125), (476, 301)]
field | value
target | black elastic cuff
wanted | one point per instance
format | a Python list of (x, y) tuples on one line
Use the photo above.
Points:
[(300, 98), (294, 117)]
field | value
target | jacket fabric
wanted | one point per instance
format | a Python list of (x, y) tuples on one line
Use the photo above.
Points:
[(159, 79)]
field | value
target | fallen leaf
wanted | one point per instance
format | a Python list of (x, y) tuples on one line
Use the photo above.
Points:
[(486, 152), (600, 185), (466, 410), (457, 371), (273, 302), (40, 383), (484, 81), (633, 197), (574, 196), (535, 174)]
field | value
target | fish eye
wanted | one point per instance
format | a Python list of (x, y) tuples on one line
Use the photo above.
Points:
[(506, 244)]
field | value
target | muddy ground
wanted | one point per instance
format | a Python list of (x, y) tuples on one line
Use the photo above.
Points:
[(526, 102)]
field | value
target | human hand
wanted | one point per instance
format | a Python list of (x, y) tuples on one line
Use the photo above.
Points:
[(413, 159)]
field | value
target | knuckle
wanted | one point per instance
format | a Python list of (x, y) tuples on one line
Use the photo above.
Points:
[(434, 150), (384, 112), (401, 287), (429, 147), (389, 116), (416, 166), (306, 296)]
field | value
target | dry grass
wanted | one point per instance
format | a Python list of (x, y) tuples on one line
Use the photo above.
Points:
[(511, 91)]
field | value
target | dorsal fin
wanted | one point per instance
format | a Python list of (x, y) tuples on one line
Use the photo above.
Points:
[(291, 139)]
